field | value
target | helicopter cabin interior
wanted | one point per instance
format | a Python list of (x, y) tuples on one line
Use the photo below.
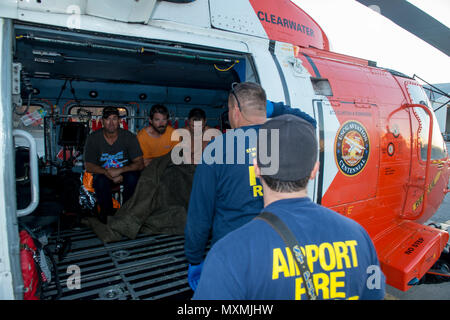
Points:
[(66, 78)]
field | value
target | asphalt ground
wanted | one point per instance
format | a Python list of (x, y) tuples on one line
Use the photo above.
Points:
[(438, 291)]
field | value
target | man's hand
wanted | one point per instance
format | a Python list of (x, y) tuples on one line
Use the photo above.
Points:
[(147, 161), (114, 172), (95, 169), (117, 179)]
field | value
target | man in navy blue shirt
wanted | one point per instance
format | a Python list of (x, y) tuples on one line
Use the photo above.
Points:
[(254, 263), (226, 193)]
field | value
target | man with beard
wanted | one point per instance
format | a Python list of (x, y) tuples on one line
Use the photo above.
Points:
[(114, 157), (156, 139)]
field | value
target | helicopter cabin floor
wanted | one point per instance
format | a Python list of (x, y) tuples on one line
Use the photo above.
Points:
[(149, 267)]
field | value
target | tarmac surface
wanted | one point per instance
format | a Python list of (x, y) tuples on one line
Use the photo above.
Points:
[(438, 291)]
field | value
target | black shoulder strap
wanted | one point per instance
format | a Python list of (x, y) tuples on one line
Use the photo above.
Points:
[(291, 242)]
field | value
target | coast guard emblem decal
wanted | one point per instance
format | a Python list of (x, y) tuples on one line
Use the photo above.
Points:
[(352, 148)]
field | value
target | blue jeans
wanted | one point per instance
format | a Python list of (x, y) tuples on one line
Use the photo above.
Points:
[(103, 186)]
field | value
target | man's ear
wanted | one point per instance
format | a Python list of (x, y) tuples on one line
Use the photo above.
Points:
[(314, 171), (257, 169), (236, 113)]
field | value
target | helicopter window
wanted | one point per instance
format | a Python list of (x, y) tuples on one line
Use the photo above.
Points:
[(92, 111), (322, 87), (438, 151)]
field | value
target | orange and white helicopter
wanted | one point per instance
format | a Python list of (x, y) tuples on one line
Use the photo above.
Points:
[(383, 161)]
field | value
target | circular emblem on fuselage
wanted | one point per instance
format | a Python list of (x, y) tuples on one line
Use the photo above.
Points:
[(352, 148), (391, 149)]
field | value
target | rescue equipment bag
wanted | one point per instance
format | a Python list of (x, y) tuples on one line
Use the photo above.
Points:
[(30, 274), (38, 266)]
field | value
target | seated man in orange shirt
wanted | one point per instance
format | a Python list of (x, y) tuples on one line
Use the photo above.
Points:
[(155, 140)]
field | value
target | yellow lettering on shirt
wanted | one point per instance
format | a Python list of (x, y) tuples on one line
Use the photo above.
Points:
[(341, 252), (252, 151), (252, 175), (257, 188), (293, 267), (299, 289), (321, 284), (352, 244), (327, 286), (279, 264), (326, 249), (335, 284), (312, 255), (257, 191), (332, 258)]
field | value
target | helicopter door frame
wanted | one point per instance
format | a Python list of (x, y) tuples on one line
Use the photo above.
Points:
[(11, 282), (327, 167), (293, 84)]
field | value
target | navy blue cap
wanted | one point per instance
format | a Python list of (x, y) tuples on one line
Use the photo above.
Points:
[(297, 145)]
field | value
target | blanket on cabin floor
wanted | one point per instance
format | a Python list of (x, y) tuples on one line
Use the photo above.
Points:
[(158, 205)]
